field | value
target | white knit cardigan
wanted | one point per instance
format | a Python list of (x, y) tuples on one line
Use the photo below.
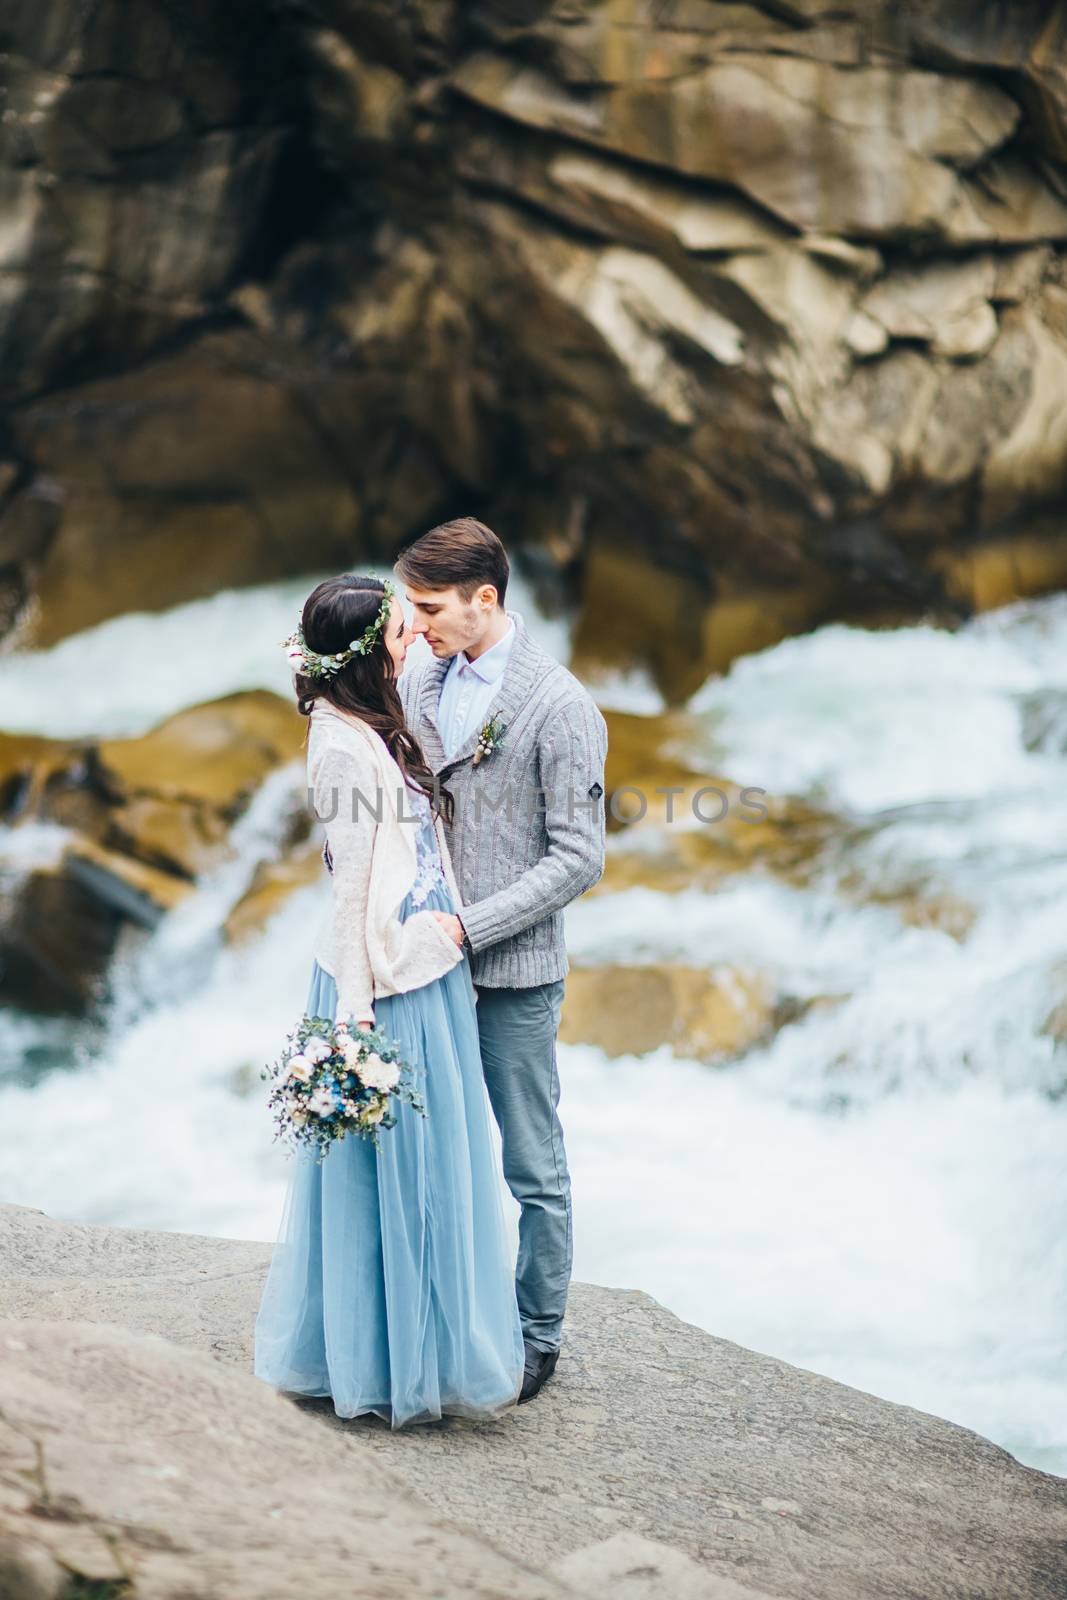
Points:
[(361, 941)]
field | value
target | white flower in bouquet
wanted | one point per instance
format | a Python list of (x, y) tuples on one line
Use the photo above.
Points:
[(322, 1101), (300, 1068), (316, 1049), (379, 1074), (376, 1111), (350, 1050)]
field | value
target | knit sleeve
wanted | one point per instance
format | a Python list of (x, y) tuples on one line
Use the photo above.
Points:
[(345, 795)]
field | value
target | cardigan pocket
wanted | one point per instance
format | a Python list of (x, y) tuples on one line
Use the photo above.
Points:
[(454, 949)]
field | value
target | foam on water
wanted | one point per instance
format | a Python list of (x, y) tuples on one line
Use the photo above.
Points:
[(916, 1248), (125, 675), (30, 848), (754, 922), (632, 691), (874, 719)]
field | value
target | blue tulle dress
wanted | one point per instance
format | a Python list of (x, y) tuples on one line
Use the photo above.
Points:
[(392, 1285)]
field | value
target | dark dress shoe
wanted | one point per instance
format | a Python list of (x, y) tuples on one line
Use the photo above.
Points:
[(537, 1369)]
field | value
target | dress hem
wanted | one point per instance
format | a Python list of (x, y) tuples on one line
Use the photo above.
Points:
[(383, 1410)]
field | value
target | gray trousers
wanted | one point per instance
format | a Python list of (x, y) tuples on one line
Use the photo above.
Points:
[(517, 1028)]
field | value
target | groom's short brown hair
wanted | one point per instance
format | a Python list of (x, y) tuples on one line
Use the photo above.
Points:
[(461, 554)]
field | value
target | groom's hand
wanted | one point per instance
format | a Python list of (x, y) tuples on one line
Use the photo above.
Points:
[(452, 926)]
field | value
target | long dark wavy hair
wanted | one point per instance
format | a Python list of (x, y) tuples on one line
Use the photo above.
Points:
[(339, 610)]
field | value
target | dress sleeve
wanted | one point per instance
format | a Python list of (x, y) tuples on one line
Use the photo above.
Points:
[(345, 797)]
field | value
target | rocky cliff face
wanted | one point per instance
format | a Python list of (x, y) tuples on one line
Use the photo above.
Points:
[(769, 295)]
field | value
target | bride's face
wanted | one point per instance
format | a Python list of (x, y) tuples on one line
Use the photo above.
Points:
[(397, 636)]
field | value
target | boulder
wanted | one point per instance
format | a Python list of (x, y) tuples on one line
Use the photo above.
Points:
[(272, 884), (703, 1014), (33, 769), (57, 936), (648, 753), (213, 755), (142, 894), (182, 837)]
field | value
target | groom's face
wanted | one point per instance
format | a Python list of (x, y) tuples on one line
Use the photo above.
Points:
[(446, 621)]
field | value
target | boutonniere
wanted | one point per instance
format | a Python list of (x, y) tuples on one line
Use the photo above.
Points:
[(488, 739)]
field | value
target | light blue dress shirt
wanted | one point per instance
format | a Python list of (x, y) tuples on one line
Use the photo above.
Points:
[(468, 691)]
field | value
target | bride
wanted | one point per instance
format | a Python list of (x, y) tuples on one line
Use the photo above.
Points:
[(391, 1287)]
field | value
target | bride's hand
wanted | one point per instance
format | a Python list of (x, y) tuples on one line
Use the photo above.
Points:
[(452, 926)]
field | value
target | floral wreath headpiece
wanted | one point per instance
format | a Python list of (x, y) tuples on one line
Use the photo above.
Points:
[(317, 665)]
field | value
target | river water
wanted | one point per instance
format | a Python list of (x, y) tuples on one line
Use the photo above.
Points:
[(879, 1195)]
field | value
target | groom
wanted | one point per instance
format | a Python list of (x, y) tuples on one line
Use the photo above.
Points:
[(519, 743)]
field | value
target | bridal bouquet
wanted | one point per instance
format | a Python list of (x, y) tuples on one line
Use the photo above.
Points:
[(335, 1078)]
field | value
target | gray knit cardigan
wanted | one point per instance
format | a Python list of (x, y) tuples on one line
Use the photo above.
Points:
[(528, 832)]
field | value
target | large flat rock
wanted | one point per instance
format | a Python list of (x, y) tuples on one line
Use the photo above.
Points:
[(124, 1457), (744, 1467)]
